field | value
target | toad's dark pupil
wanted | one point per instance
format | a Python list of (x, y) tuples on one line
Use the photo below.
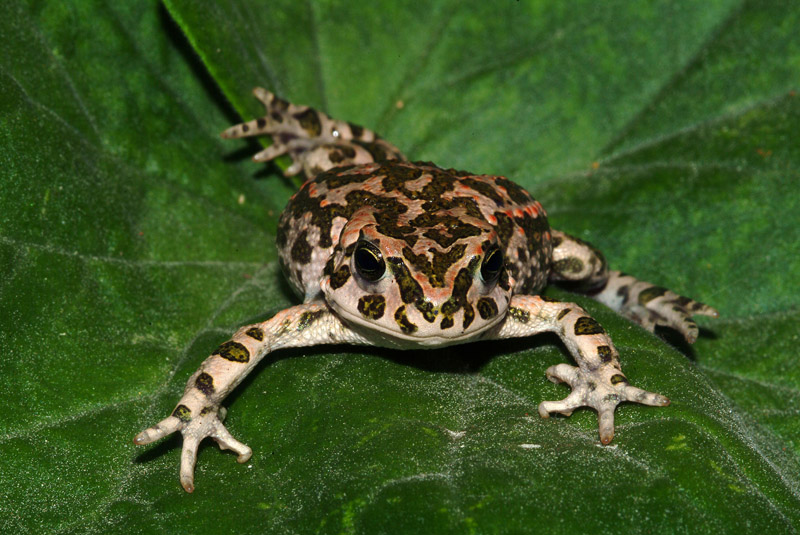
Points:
[(491, 266), (369, 262)]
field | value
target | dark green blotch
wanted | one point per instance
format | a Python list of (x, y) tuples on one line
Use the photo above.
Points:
[(233, 351), (568, 265), (605, 353), (548, 299), (523, 255), (308, 318), (402, 320), (396, 177), (342, 153), (372, 306), (446, 239), (343, 179), (427, 310), (522, 316), (255, 333), (278, 104), (651, 293), (280, 331), (504, 228), (357, 131), (623, 292), (309, 121), (205, 384), (563, 313), (453, 171), (600, 257), (617, 379), (485, 189), (410, 290), (458, 299), (504, 282), (182, 413), (206, 410), (436, 269), (515, 191), (301, 250), (587, 325), (281, 237), (376, 151), (438, 203), (487, 308), (328, 269), (469, 315), (340, 277)]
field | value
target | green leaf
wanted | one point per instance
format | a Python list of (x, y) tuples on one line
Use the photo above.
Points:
[(133, 240)]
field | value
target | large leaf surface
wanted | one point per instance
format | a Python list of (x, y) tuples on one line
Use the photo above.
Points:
[(133, 241)]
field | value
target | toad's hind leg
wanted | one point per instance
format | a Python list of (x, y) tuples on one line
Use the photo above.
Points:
[(314, 141), (580, 267)]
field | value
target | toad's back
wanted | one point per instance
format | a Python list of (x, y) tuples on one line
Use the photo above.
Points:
[(435, 214)]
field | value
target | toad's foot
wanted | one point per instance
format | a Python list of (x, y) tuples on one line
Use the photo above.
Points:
[(602, 390), (650, 305), (315, 142), (597, 381), (208, 423)]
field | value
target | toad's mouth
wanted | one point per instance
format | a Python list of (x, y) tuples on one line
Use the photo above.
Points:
[(381, 335)]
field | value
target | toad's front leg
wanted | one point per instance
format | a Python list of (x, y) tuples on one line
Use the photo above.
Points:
[(199, 414), (597, 381)]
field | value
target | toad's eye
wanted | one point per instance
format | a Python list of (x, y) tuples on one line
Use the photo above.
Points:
[(369, 262), (491, 266)]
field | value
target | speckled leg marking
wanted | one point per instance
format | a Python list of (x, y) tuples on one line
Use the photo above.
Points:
[(199, 414), (315, 142), (584, 269), (597, 381)]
